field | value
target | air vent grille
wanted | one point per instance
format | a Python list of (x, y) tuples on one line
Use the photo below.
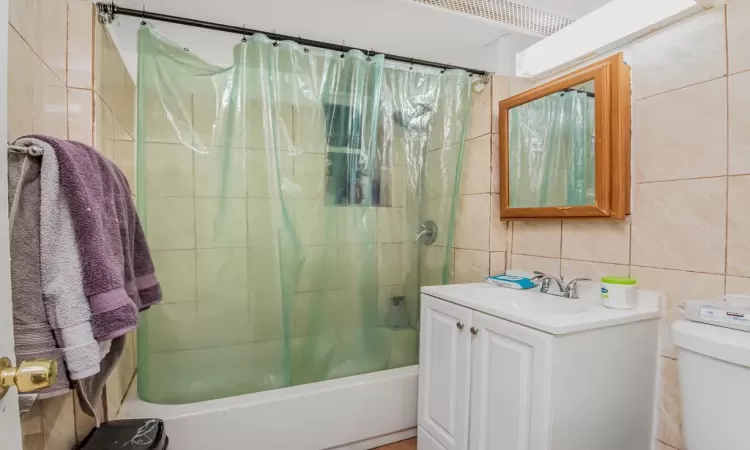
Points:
[(536, 20)]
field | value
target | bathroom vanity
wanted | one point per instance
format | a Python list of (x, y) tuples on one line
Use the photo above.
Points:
[(502, 369)]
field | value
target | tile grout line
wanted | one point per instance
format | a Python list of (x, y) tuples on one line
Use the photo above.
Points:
[(679, 88)]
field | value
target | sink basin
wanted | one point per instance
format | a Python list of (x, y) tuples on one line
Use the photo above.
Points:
[(545, 312)]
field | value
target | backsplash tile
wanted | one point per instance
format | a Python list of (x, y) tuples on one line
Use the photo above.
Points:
[(537, 238), (597, 240), (738, 229)]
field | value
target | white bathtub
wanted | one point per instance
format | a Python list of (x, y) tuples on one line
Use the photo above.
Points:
[(352, 413)]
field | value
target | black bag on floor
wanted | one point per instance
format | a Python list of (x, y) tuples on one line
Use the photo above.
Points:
[(131, 434)]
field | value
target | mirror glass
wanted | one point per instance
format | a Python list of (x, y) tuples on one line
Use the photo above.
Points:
[(551, 151)]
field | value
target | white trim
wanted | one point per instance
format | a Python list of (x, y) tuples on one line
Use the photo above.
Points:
[(343, 414)]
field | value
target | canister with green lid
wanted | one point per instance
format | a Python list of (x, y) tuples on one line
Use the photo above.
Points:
[(619, 293)]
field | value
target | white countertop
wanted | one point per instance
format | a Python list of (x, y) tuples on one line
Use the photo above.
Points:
[(544, 312)]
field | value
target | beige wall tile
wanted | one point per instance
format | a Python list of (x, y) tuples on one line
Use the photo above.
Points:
[(80, 44), (596, 240), (594, 270), (662, 446), (480, 115), (500, 91), (50, 102), (33, 442), (390, 264), (681, 134), (498, 227), (471, 266), (81, 115), (475, 170), (738, 229), (737, 285), (121, 378), (22, 15), (738, 35), (670, 405), (124, 158), (51, 35), (689, 52), (550, 266), (104, 128), (680, 225), (537, 238), (21, 84), (31, 421), (473, 222), (497, 263), (739, 117), (59, 422), (495, 177), (678, 287)]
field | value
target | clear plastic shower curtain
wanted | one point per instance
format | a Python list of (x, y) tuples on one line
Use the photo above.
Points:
[(281, 198), (552, 151)]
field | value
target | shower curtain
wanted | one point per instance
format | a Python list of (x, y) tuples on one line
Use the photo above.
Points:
[(551, 151), (281, 197)]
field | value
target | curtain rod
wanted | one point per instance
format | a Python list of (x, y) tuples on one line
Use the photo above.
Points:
[(109, 11)]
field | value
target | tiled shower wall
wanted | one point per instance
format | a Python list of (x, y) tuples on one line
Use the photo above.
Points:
[(66, 79), (689, 231)]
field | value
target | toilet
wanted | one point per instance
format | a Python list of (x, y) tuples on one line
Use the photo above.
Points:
[(714, 372)]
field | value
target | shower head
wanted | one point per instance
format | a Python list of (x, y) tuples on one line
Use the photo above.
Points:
[(415, 117)]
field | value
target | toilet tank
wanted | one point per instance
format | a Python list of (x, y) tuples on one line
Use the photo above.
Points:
[(714, 372)]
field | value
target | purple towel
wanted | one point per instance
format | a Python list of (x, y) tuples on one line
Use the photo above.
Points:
[(118, 274)]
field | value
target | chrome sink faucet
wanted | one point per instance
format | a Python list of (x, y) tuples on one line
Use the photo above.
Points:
[(569, 290)]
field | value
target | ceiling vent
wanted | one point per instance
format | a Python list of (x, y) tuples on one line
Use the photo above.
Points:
[(510, 13)]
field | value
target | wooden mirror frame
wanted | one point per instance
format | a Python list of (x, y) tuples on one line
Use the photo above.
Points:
[(612, 140)]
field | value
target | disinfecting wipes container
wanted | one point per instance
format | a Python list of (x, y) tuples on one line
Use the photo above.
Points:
[(619, 293), (718, 313)]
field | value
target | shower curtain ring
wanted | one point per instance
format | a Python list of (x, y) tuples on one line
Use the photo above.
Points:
[(411, 64), (368, 55), (343, 49), (445, 68), (244, 34), (143, 14)]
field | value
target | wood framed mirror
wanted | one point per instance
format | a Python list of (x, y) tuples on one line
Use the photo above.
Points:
[(565, 146)]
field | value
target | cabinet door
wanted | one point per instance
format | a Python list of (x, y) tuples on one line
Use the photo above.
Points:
[(444, 367), (510, 386)]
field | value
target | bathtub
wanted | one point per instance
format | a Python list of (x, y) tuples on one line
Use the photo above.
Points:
[(351, 413)]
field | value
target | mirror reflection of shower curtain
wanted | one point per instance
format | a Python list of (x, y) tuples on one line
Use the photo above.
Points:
[(552, 151), (281, 196)]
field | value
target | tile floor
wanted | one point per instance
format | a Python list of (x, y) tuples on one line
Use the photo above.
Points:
[(410, 444)]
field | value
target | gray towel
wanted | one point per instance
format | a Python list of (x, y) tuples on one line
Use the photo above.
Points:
[(33, 335), (118, 275), (68, 309)]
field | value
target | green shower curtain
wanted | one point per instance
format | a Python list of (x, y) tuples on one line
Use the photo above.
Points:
[(281, 197), (552, 151)]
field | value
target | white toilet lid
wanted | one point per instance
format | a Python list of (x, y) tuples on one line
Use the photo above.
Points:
[(721, 343)]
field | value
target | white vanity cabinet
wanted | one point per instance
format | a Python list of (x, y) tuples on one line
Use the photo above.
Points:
[(488, 383)]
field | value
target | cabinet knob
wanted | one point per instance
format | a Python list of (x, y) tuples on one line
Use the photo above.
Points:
[(459, 325), (474, 331)]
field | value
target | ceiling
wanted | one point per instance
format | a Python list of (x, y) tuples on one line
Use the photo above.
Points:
[(400, 27)]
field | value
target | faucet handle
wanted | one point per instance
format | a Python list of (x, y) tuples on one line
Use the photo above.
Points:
[(572, 287)]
